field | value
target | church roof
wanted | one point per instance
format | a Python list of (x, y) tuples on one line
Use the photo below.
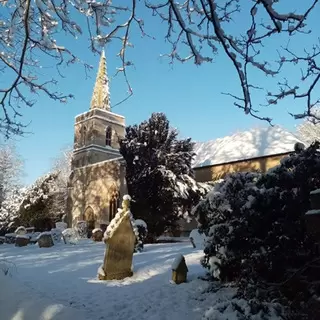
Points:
[(254, 143), (101, 95)]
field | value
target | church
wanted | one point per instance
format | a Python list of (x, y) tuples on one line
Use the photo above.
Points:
[(97, 181)]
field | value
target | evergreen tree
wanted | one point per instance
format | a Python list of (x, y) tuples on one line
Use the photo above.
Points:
[(159, 174), (36, 207)]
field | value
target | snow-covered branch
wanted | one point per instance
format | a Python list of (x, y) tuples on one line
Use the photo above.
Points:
[(33, 32)]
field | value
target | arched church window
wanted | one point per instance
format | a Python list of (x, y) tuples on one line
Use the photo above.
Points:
[(113, 205), (108, 136)]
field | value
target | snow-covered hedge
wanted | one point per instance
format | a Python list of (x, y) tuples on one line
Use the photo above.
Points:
[(255, 223)]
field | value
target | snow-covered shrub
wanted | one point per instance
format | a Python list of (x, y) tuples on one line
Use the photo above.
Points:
[(82, 229), (71, 236), (219, 215), (247, 310), (255, 225), (35, 209), (143, 232), (9, 209)]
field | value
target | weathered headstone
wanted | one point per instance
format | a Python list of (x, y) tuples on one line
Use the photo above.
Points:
[(70, 236), (45, 240), (120, 238), (56, 235), (21, 230), (82, 228), (179, 269), (97, 235), (61, 225), (22, 240)]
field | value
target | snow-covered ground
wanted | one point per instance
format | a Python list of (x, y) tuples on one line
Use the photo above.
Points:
[(61, 283)]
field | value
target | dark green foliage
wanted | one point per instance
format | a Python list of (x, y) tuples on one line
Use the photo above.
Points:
[(257, 234), (255, 223), (159, 173)]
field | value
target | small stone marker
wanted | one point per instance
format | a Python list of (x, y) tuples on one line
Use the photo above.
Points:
[(120, 238), (179, 270), (21, 230), (56, 235), (97, 235), (45, 240), (61, 225), (22, 240), (82, 228)]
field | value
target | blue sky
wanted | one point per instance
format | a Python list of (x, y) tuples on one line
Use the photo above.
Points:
[(190, 96)]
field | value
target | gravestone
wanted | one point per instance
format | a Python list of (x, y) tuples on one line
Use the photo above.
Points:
[(61, 225), (120, 238), (179, 270), (21, 230), (56, 235), (82, 229), (45, 240), (97, 235), (70, 236), (22, 240)]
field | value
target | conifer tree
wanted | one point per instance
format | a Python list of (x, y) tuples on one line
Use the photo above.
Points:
[(159, 174)]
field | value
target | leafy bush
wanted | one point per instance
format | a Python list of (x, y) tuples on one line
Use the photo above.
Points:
[(255, 223)]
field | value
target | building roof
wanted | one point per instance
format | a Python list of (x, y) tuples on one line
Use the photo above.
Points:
[(254, 143)]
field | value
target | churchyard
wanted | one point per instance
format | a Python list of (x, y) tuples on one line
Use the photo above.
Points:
[(61, 282)]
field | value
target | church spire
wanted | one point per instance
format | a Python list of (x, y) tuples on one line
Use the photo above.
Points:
[(101, 96)]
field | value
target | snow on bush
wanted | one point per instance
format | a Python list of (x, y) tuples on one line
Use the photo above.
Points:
[(9, 210), (235, 309), (255, 224)]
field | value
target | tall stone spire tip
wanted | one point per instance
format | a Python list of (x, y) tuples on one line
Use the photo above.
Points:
[(101, 95)]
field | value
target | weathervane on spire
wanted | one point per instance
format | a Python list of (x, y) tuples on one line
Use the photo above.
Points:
[(101, 95)]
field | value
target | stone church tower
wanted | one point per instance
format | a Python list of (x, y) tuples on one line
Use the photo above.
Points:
[(97, 181)]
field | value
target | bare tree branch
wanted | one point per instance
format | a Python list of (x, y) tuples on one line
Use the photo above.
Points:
[(197, 30)]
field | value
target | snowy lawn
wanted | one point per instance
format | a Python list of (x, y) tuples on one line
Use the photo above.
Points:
[(63, 279)]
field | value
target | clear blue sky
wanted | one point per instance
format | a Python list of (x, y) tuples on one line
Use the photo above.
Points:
[(189, 95)]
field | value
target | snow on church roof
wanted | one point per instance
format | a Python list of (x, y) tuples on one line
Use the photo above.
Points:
[(254, 143)]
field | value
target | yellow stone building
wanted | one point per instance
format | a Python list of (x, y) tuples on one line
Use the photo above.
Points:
[(257, 149), (97, 181)]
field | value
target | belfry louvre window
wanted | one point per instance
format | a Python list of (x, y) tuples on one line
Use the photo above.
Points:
[(108, 136)]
